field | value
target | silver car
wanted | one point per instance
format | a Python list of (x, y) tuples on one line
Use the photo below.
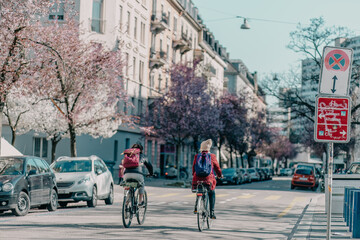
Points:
[(83, 179)]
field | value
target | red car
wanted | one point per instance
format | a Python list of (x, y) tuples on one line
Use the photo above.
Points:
[(304, 177)]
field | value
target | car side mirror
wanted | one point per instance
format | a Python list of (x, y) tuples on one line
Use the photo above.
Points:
[(98, 171), (32, 172)]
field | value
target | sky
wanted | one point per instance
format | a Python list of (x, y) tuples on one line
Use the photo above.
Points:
[(263, 48)]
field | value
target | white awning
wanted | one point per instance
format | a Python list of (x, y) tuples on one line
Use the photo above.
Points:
[(8, 150)]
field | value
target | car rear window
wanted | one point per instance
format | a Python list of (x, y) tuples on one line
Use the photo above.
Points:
[(303, 171), (72, 166), (229, 170), (251, 170)]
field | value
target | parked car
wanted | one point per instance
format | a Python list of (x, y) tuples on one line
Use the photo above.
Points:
[(267, 172), (255, 176), (170, 172), (304, 177), (354, 168), (246, 175), (261, 173), (26, 182), (286, 172), (83, 179), (230, 176)]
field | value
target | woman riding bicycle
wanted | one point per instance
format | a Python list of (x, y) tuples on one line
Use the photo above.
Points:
[(210, 179), (137, 172)]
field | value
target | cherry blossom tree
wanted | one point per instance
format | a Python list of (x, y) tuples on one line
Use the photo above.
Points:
[(82, 79), (18, 20), (184, 111)]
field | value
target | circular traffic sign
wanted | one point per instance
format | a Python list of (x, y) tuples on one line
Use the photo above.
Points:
[(337, 60)]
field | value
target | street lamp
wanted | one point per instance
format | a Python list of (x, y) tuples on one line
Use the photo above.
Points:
[(245, 25)]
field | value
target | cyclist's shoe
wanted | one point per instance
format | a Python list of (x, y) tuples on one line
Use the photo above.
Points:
[(212, 215), (141, 204), (195, 211)]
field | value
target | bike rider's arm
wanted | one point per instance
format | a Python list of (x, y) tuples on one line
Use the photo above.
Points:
[(193, 167), (216, 165), (149, 167)]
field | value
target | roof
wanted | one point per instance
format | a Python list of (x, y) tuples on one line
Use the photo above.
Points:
[(8, 150)]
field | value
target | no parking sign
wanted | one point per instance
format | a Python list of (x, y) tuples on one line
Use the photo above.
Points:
[(335, 71)]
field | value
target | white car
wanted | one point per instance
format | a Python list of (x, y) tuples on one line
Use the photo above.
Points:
[(83, 179)]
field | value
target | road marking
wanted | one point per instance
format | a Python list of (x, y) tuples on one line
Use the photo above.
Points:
[(291, 205), (191, 195), (169, 195), (273, 197), (222, 195), (246, 196)]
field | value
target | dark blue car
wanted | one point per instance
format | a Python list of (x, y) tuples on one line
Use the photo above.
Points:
[(26, 182)]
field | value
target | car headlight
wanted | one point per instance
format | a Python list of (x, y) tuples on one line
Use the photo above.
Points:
[(84, 180), (7, 187)]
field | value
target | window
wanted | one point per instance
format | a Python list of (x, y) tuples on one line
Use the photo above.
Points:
[(140, 107), (160, 45), (135, 28), (41, 165), (97, 22), (57, 11), (149, 150), (142, 33), (174, 55), (127, 143), (152, 81), (166, 83), (121, 17), (141, 71), (167, 52), (31, 165), (134, 68), (128, 23), (127, 64), (175, 25), (159, 87), (168, 16), (133, 105), (40, 147)]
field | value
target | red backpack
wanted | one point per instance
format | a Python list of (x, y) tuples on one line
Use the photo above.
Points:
[(131, 158)]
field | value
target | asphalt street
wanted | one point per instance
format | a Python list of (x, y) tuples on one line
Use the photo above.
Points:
[(260, 210)]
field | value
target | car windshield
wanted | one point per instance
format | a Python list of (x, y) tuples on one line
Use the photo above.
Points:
[(72, 166), (355, 169), (11, 166), (228, 170), (251, 170), (304, 171)]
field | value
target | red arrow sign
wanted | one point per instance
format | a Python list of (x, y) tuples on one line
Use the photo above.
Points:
[(332, 119)]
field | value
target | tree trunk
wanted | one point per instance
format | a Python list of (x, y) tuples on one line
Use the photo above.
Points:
[(54, 141), (72, 141), (13, 136), (242, 160), (178, 153), (231, 157)]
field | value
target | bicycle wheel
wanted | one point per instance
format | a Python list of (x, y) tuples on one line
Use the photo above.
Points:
[(140, 214), (126, 209), (201, 212), (207, 207)]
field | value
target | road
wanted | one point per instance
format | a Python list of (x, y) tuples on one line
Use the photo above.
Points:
[(260, 210)]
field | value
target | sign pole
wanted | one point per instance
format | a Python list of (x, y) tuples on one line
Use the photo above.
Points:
[(330, 172)]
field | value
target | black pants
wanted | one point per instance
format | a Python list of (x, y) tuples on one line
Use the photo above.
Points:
[(212, 199)]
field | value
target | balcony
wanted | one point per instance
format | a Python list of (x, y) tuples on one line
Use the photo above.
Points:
[(199, 55), (187, 44), (157, 59), (159, 23), (209, 71)]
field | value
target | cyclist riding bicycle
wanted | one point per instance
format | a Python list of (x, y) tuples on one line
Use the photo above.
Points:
[(210, 179), (137, 172)]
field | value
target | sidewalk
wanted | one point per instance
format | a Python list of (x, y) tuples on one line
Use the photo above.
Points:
[(313, 224)]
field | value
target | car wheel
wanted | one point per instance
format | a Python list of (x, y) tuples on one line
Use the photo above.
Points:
[(63, 204), (93, 201), (22, 205), (110, 199), (292, 186), (52, 206), (314, 188)]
